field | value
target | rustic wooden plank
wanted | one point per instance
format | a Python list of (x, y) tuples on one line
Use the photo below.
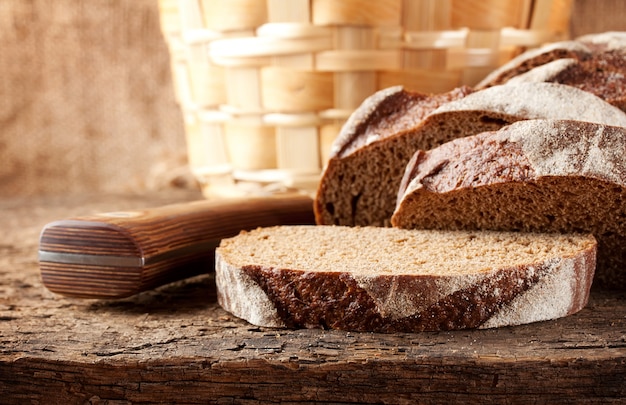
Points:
[(175, 344)]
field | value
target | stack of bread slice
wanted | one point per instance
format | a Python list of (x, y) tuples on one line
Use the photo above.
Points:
[(360, 182), (502, 200)]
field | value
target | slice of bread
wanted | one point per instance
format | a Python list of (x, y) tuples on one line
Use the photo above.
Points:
[(394, 280), (360, 183), (534, 176)]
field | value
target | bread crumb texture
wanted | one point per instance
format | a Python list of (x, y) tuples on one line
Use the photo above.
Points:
[(388, 279)]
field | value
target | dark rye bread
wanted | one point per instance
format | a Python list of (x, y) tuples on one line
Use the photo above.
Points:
[(594, 63), (359, 185), (392, 280), (531, 176), (376, 141)]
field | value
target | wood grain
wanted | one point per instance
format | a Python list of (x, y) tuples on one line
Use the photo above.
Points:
[(175, 344), (168, 243)]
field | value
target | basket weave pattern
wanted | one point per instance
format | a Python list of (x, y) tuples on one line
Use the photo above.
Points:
[(265, 85)]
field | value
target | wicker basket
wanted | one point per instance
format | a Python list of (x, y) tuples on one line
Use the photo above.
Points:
[(265, 85)]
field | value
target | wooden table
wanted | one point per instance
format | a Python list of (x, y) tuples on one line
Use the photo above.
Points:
[(175, 344)]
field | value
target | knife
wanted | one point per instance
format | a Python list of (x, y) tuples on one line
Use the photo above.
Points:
[(119, 254)]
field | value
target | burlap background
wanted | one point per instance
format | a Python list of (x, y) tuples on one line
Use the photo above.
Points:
[(86, 99)]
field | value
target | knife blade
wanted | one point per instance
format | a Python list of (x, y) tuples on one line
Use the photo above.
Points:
[(119, 254)]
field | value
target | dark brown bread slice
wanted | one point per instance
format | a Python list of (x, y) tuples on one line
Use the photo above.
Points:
[(533, 176), (394, 280), (360, 186), (376, 142), (594, 63)]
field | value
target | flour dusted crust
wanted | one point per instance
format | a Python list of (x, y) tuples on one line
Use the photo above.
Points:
[(535, 57), (353, 285), (364, 114), (550, 298), (256, 307), (545, 73), (522, 151), (386, 113), (605, 41), (535, 100), (572, 148), (594, 63), (535, 175)]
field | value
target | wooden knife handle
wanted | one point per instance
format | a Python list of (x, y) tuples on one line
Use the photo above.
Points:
[(118, 254)]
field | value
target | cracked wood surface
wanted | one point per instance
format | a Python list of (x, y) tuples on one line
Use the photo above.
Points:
[(175, 344)]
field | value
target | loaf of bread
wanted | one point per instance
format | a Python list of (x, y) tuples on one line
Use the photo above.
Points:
[(531, 176), (395, 280), (360, 182), (595, 63)]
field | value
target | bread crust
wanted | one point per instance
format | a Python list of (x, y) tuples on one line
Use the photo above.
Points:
[(536, 175), (386, 113), (535, 57), (594, 63), (335, 299)]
